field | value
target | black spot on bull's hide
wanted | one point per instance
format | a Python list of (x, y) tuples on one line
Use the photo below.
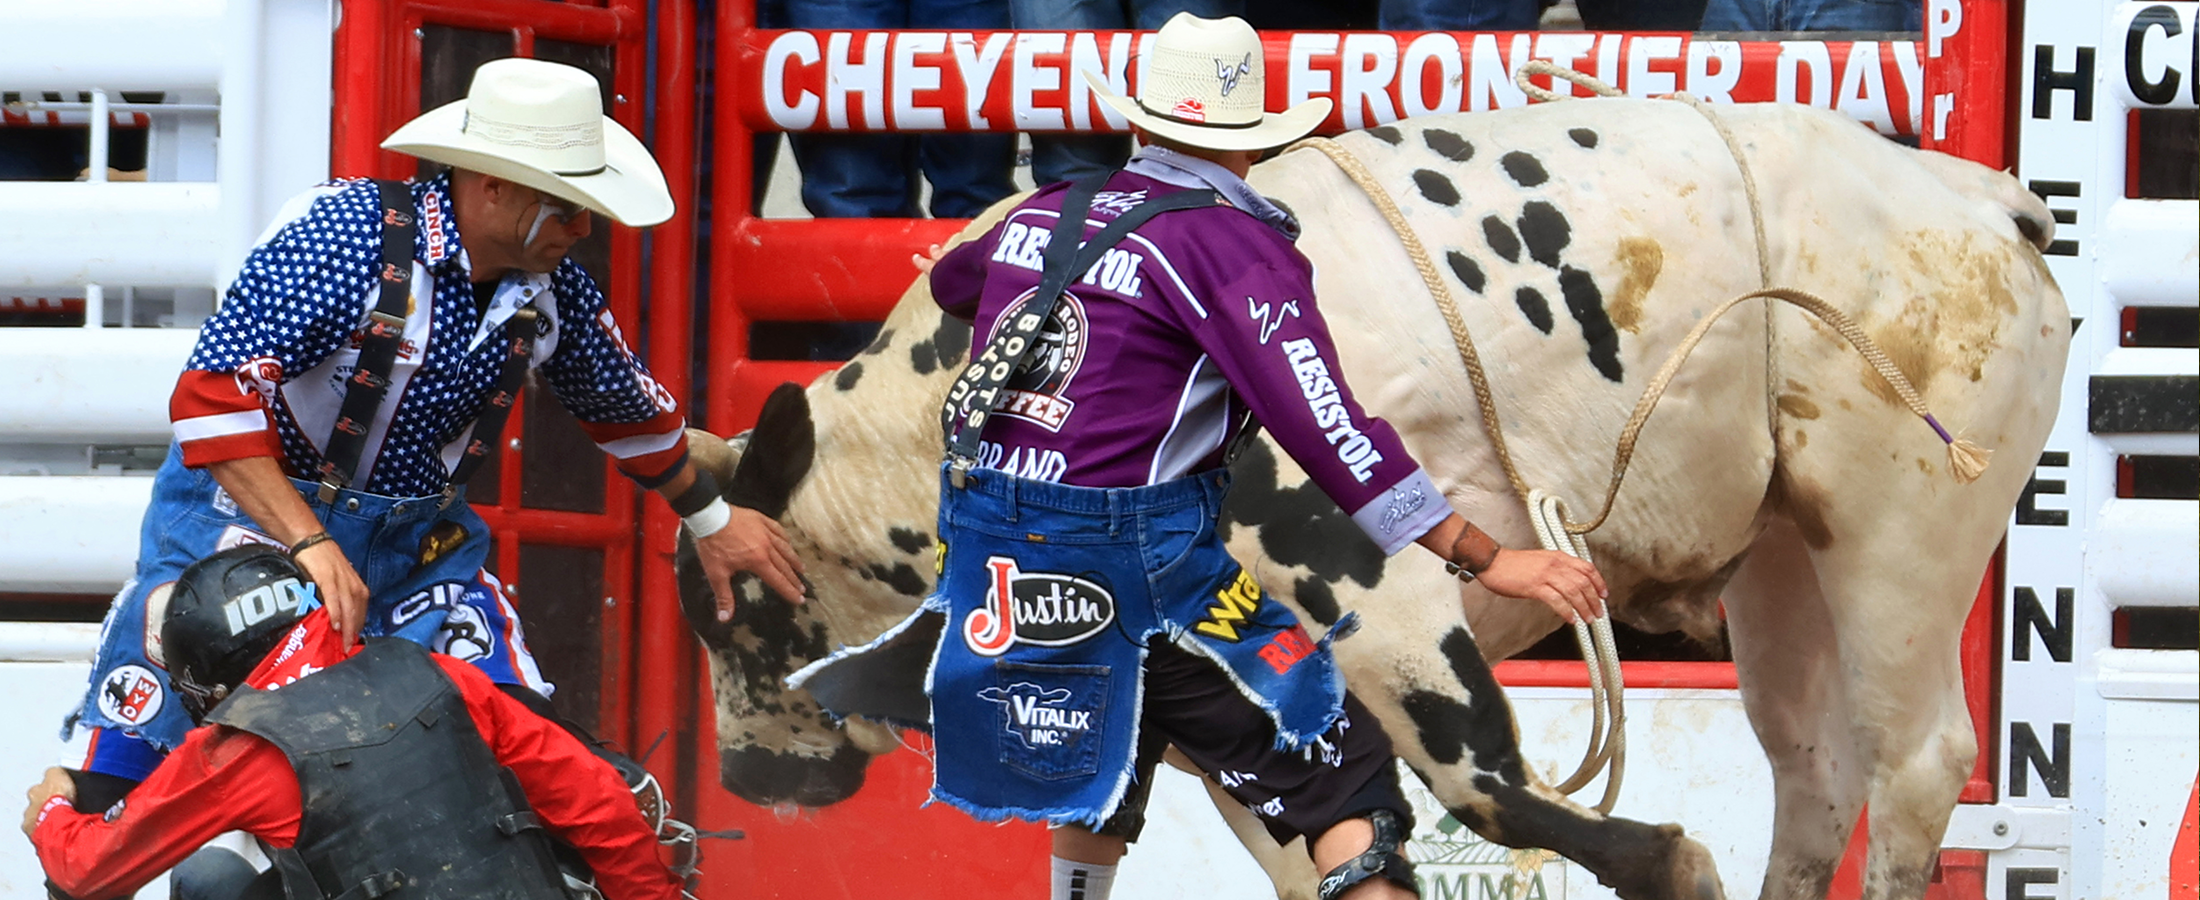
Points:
[(1318, 600), (902, 577), (1448, 145), (780, 450), (1496, 748), (848, 375), (1587, 304), (1449, 729), (1537, 309), (1584, 136), (908, 541), (784, 639), (1545, 230), (1464, 266), (1298, 525), (1388, 134), (1501, 238), (769, 777), (879, 343), (944, 349), (1436, 187), (1524, 168)]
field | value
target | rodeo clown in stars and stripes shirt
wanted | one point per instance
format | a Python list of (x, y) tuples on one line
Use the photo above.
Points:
[(1088, 612), (386, 535)]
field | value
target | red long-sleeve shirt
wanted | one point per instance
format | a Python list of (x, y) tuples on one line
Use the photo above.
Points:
[(222, 779)]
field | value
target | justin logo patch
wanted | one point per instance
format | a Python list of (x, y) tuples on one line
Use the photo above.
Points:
[(1041, 608), (131, 695)]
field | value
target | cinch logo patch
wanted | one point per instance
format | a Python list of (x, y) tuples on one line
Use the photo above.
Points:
[(131, 695), (441, 595), (1232, 605), (1354, 449), (1039, 717), (1041, 608)]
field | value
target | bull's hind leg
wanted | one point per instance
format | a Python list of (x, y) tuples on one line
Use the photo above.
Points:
[(1897, 595), (1464, 744), (1790, 669)]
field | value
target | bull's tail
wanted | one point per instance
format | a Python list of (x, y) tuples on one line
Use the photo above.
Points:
[(1979, 183)]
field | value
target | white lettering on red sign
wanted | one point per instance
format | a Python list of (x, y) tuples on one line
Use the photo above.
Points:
[(952, 81)]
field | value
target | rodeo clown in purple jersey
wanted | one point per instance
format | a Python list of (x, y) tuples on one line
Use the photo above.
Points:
[(359, 371), (1092, 616)]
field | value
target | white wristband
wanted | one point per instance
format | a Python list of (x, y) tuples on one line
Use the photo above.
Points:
[(708, 520)]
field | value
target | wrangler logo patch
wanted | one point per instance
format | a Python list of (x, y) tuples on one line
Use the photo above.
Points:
[(1232, 605)]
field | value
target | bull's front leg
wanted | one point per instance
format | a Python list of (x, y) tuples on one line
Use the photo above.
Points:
[(1449, 720)]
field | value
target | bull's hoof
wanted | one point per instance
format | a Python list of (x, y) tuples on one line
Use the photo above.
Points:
[(769, 778), (1690, 870)]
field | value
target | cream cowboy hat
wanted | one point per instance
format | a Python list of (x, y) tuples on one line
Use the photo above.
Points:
[(541, 124), (1205, 85)]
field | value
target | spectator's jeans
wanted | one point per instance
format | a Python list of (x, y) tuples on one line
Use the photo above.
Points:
[(1068, 157), (1460, 15), (1813, 15), (875, 175)]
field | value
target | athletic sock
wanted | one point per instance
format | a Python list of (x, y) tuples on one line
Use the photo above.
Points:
[(1081, 881)]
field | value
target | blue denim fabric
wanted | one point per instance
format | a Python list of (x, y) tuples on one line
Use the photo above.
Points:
[(442, 604), (1068, 157), (1460, 15), (853, 176), (1814, 15), (1036, 697)]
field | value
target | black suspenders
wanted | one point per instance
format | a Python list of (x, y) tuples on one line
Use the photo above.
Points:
[(977, 391), (378, 346)]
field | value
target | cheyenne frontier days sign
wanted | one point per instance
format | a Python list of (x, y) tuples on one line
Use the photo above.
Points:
[(1027, 81)]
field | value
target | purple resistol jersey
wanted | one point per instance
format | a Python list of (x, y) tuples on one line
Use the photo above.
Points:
[(1154, 358)]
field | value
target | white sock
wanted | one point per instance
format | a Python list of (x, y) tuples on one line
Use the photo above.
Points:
[(1081, 881)]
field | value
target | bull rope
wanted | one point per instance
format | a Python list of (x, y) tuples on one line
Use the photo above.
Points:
[(1554, 530)]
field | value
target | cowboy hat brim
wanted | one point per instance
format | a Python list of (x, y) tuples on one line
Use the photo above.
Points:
[(1273, 130), (630, 188)]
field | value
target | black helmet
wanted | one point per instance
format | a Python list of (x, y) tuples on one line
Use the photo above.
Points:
[(226, 612)]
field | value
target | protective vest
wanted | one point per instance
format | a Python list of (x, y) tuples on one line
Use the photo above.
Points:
[(402, 796)]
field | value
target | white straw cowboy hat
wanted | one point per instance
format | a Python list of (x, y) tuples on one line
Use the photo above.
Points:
[(541, 124), (1205, 85)]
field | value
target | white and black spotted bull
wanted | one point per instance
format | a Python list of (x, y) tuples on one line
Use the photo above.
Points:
[(1780, 474)]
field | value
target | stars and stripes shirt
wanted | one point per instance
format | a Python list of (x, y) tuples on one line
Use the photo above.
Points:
[(269, 371)]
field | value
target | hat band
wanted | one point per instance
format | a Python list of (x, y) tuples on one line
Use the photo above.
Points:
[(537, 137), (1183, 121)]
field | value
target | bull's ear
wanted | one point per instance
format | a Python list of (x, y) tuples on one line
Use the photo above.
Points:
[(778, 455)]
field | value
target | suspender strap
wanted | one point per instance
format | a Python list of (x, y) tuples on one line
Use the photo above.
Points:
[(978, 391), (489, 426), (370, 378)]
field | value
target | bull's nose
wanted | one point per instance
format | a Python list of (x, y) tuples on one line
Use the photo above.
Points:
[(769, 777)]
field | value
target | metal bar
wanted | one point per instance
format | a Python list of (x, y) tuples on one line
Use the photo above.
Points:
[(731, 199), (96, 158), (1978, 653), (1570, 673), (356, 124), (72, 105), (851, 270), (555, 21), (666, 658)]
